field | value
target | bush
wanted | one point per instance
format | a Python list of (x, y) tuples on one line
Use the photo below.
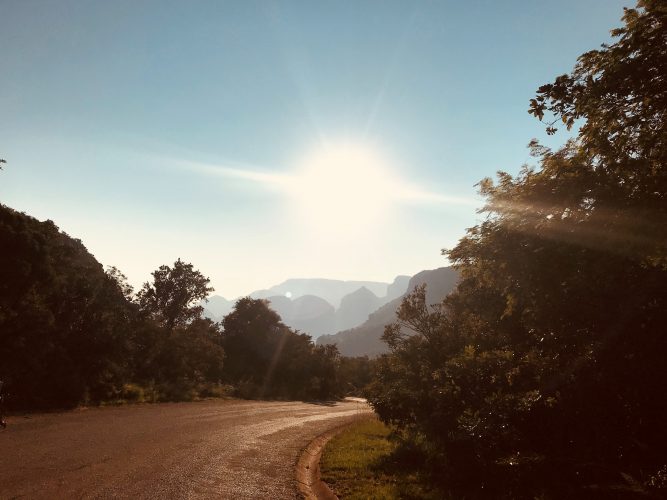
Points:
[(133, 393)]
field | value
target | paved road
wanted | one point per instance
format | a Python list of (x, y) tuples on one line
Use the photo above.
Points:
[(210, 449)]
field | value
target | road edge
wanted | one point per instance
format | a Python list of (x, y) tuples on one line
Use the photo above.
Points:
[(308, 480)]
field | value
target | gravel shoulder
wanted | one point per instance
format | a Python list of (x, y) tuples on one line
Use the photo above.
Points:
[(208, 449)]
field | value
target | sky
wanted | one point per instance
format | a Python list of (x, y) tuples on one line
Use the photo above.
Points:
[(267, 140)]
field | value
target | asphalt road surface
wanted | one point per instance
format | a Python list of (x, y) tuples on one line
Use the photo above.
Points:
[(209, 449)]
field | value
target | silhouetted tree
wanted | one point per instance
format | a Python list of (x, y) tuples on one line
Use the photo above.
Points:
[(265, 358), (173, 297), (185, 362), (549, 356), (181, 365), (121, 282), (64, 323), (355, 374)]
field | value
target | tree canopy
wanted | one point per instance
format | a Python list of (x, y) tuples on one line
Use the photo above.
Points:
[(71, 333), (268, 359), (173, 299), (64, 323), (548, 357)]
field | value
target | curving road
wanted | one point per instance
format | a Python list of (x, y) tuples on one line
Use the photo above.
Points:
[(209, 449)]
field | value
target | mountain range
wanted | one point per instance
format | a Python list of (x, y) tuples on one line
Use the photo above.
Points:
[(332, 291), (365, 339), (353, 309), (319, 306)]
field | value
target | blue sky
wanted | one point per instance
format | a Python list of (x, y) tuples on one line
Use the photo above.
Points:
[(158, 130)]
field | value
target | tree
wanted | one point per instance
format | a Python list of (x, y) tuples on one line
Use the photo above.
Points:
[(64, 324), (620, 156), (266, 358), (172, 299), (355, 373), (253, 335), (188, 362), (549, 355), (120, 280), (182, 365)]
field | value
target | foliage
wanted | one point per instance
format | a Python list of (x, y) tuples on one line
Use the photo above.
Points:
[(182, 363), (71, 333), (173, 297), (268, 359), (63, 321), (547, 360), (355, 374), (120, 279)]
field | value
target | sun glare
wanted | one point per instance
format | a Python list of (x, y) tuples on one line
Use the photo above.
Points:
[(342, 188)]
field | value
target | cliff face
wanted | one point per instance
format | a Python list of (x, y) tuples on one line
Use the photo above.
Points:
[(355, 308), (365, 340), (319, 306), (308, 314)]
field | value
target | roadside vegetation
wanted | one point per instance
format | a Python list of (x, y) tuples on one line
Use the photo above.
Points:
[(543, 374), (73, 334), (364, 461)]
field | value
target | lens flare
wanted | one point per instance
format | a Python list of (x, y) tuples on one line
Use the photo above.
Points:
[(342, 189)]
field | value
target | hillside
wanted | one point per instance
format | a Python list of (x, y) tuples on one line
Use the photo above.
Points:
[(63, 320), (308, 314), (397, 288), (364, 340), (355, 308)]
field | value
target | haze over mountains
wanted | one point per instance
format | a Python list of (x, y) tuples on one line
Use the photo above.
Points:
[(332, 291), (319, 306), (350, 314), (365, 340), (217, 307)]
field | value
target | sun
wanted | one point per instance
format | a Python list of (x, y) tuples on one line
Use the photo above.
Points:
[(342, 188)]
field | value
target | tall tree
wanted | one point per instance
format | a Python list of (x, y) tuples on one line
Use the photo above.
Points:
[(551, 349), (264, 357), (173, 297)]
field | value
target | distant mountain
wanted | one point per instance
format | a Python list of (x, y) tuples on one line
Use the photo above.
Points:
[(208, 314), (365, 339), (397, 288), (318, 306), (283, 306), (355, 308), (217, 307), (309, 314), (332, 291), (439, 283), (313, 315)]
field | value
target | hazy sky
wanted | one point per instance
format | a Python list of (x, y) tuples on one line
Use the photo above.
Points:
[(267, 140)]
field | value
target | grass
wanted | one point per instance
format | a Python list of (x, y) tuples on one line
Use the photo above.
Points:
[(364, 463)]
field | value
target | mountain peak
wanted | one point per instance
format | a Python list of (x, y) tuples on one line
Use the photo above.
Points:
[(365, 339), (330, 290)]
